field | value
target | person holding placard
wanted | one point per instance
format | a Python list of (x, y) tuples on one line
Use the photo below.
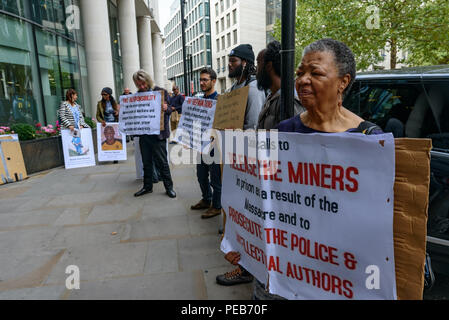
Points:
[(107, 108), (210, 200), (241, 67), (154, 147), (70, 113), (324, 77)]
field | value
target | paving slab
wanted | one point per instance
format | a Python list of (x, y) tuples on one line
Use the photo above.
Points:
[(27, 240), (38, 293), (26, 269), (165, 286), (70, 216), (156, 229), (81, 199), (198, 226), (86, 235), (101, 261), (10, 221), (162, 257), (160, 206), (114, 212), (200, 253)]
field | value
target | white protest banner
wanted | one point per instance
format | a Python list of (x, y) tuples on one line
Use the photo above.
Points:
[(140, 113), (78, 148), (111, 143), (197, 117), (317, 222)]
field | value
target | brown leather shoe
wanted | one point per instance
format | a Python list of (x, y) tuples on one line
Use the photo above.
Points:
[(201, 205), (212, 212)]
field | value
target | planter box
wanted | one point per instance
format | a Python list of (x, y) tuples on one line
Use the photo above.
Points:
[(44, 154)]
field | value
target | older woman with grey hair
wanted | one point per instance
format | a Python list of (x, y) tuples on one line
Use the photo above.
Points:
[(324, 77), (154, 147)]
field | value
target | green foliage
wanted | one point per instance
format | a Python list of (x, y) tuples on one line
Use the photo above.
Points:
[(24, 130), (420, 27), (90, 122)]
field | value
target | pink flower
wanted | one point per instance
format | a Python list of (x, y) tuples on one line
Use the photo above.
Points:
[(38, 125), (2, 131), (50, 126)]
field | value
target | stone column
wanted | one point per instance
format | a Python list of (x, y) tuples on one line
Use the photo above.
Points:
[(145, 44), (128, 41), (157, 56), (98, 50)]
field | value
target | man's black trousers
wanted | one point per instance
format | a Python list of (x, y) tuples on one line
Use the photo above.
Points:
[(154, 152)]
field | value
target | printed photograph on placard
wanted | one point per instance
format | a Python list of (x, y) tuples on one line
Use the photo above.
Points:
[(111, 139), (111, 142), (76, 147)]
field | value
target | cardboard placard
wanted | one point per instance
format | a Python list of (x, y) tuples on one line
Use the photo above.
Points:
[(230, 111), (12, 166), (411, 194)]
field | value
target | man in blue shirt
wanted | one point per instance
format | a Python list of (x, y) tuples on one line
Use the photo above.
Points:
[(210, 200)]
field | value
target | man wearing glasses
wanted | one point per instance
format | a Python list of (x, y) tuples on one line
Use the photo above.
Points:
[(210, 200)]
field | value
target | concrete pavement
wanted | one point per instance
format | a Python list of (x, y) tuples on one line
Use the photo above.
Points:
[(151, 247)]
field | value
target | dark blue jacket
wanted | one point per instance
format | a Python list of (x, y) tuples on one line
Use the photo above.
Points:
[(177, 102)]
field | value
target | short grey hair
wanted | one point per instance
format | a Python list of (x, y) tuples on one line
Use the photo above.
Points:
[(142, 75), (343, 57)]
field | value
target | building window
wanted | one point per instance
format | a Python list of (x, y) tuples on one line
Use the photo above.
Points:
[(223, 59), (223, 42), (235, 36), (227, 4), (216, 9), (217, 27), (218, 45), (228, 20), (234, 16), (218, 64), (228, 38), (222, 5)]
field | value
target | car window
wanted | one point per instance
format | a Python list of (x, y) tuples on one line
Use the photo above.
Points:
[(437, 94), (397, 106)]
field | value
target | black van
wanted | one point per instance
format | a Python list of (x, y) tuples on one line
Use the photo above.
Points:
[(414, 103)]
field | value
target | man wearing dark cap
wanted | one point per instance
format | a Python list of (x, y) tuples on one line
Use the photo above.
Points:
[(242, 69)]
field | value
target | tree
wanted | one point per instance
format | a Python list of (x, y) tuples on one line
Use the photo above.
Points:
[(420, 27)]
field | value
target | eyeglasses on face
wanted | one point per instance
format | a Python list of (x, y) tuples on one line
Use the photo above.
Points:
[(204, 80)]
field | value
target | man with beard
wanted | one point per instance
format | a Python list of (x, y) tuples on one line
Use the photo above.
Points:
[(210, 200), (242, 69), (269, 78)]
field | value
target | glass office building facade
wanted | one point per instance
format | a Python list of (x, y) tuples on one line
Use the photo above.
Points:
[(40, 58)]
